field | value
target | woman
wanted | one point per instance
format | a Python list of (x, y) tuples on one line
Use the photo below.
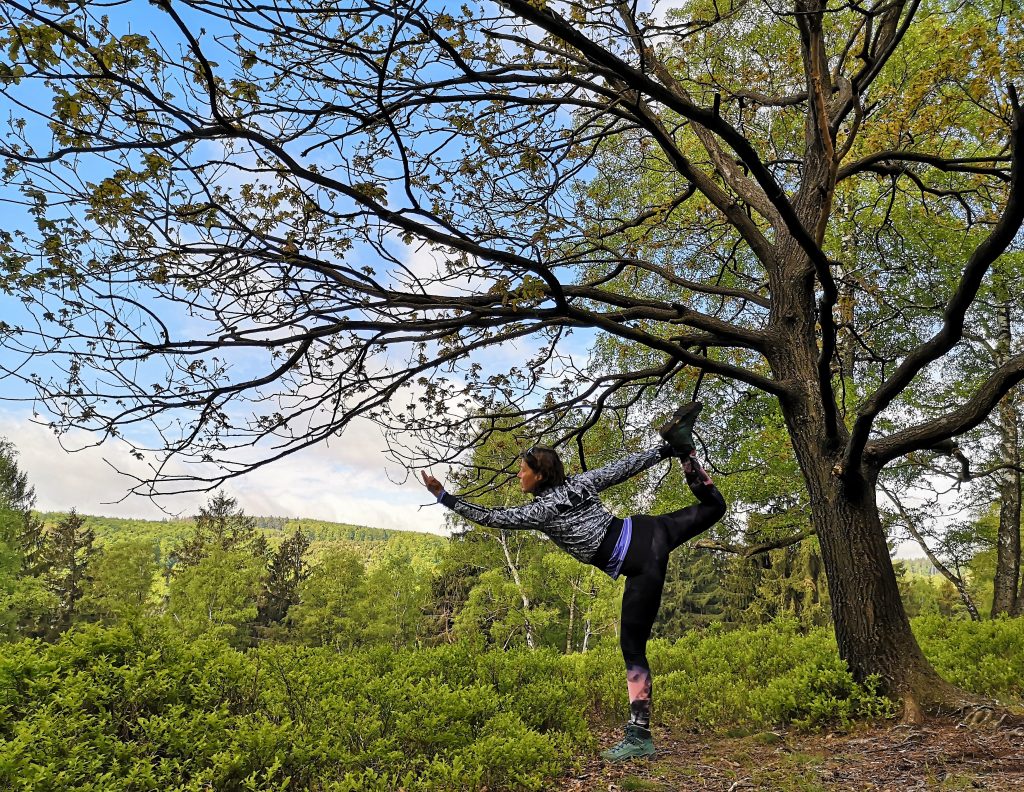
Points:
[(569, 511)]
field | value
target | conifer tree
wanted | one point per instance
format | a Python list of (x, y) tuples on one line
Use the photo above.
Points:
[(287, 569), (694, 594), (70, 545), (222, 525)]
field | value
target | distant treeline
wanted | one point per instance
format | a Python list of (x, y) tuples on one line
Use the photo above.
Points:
[(918, 566), (110, 529)]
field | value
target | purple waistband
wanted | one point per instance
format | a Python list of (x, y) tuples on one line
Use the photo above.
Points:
[(621, 546)]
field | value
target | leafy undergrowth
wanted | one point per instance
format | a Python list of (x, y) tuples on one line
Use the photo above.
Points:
[(939, 756), (138, 708)]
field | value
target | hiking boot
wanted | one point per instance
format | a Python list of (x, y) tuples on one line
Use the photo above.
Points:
[(677, 431), (635, 745)]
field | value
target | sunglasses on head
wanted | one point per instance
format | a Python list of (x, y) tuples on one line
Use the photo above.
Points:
[(530, 457)]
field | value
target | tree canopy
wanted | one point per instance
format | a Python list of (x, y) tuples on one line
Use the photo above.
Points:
[(358, 198), (256, 223)]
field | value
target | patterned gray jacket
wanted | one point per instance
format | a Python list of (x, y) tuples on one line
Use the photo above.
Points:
[(571, 514)]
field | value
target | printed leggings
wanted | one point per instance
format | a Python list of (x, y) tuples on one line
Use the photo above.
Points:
[(645, 565)]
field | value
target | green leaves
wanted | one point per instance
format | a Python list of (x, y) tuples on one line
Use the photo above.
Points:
[(218, 595), (119, 709), (113, 709), (373, 191)]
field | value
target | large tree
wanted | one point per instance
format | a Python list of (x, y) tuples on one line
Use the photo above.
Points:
[(264, 221)]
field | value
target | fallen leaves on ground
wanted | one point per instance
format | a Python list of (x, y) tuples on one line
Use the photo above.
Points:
[(939, 755)]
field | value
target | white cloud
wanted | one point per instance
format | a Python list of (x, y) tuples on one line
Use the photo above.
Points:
[(346, 482)]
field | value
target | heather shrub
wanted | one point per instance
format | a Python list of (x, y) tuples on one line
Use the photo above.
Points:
[(140, 708)]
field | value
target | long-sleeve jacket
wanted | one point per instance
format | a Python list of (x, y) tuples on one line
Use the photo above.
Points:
[(570, 514)]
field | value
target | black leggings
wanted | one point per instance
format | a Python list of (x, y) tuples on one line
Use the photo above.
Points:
[(654, 537)]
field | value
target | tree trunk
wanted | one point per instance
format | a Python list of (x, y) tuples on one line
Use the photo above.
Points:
[(572, 621), (513, 570), (871, 626), (1004, 596)]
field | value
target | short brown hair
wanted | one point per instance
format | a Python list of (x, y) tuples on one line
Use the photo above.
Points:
[(546, 463)]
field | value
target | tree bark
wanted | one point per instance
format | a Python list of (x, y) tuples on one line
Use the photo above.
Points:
[(1004, 596), (513, 570), (572, 621), (872, 629)]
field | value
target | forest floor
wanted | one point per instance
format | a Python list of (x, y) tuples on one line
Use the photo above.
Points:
[(939, 755)]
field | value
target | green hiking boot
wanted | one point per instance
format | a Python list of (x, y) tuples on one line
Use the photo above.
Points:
[(635, 745), (677, 431)]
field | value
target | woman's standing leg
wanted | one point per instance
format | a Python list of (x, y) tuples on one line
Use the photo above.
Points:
[(640, 602), (645, 567)]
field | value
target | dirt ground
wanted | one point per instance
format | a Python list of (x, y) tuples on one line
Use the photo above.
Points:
[(939, 755)]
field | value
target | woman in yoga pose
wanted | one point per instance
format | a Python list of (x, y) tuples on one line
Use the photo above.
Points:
[(569, 511)]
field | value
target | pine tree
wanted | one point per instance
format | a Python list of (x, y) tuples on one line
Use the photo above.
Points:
[(69, 548), (221, 525), (286, 570), (15, 491), (694, 595), (25, 603)]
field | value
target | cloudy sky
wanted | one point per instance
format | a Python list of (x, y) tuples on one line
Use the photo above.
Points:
[(349, 481)]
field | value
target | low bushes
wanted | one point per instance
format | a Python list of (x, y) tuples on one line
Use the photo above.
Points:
[(122, 709), (140, 708), (984, 657)]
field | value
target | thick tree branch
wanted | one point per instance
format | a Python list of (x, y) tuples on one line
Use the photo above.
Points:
[(931, 434), (814, 199), (724, 202), (948, 165), (724, 165), (876, 52), (610, 65), (952, 328)]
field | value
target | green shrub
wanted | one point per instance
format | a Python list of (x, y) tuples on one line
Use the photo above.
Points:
[(119, 709), (774, 674), (115, 709), (985, 657)]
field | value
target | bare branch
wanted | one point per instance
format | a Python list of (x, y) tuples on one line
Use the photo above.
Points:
[(956, 580), (748, 551)]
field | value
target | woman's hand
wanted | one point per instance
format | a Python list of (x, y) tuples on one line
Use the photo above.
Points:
[(432, 484)]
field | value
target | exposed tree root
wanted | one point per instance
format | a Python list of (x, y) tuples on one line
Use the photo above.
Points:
[(913, 712), (970, 711), (993, 716)]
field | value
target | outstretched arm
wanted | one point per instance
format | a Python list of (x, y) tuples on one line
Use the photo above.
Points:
[(531, 516)]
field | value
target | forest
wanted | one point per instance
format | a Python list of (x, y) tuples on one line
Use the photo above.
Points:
[(235, 234), (232, 652)]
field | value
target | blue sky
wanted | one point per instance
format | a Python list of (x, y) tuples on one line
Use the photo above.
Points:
[(349, 480)]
